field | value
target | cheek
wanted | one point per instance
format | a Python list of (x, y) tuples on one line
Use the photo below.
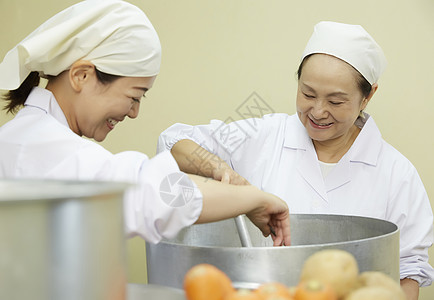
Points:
[(345, 115), (117, 105), (301, 104)]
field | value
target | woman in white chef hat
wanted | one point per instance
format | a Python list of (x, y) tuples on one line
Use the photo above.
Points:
[(329, 157), (100, 57)]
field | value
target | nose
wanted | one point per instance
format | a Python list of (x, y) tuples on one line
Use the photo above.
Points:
[(134, 110), (319, 109)]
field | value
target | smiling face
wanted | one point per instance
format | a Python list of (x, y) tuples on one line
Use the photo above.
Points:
[(328, 98), (94, 102), (101, 106)]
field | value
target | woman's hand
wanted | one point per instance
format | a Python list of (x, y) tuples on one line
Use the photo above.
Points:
[(223, 201), (272, 218), (225, 174)]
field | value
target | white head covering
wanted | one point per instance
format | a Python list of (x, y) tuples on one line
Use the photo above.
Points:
[(114, 35), (350, 43)]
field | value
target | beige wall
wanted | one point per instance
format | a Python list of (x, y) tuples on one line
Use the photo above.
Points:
[(216, 53)]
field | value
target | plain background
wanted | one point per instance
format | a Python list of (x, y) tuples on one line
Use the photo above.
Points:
[(217, 53)]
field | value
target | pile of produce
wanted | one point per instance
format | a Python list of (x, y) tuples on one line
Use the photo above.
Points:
[(326, 275)]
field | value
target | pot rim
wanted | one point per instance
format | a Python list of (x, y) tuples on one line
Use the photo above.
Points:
[(19, 190), (394, 229)]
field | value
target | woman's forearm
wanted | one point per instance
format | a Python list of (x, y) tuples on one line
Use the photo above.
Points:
[(222, 201), (410, 288), (194, 159)]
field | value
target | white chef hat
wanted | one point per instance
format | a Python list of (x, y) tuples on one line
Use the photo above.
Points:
[(114, 35), (350, 43)]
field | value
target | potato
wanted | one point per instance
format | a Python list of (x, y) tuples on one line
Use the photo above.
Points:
[(368, 279), (337, 268), (371, 293)]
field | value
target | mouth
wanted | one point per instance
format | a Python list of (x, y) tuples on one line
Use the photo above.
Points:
[(320, 125), (111, 123)]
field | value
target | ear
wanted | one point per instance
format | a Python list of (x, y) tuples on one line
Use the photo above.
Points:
[(80, 73), (371, 94)]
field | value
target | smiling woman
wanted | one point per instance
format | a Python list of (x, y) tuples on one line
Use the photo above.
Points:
[(93, 106), (329, 101), (100, 57), (329, 158)]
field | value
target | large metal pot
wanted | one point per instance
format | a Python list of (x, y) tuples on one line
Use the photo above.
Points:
[(153, 292), (373, 242), (62, 240)]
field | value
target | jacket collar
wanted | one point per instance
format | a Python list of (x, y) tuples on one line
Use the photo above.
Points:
[(365, 149), (296, 137), (367, 146), (45, 101)]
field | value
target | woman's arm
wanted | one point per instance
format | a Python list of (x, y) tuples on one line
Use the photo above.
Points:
[(223, 201), (410, 288), (229, 144), (194, 159), (409, 208)]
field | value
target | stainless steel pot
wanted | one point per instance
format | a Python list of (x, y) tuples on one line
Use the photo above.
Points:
[(153, 292), (62, 240), (373, 242)]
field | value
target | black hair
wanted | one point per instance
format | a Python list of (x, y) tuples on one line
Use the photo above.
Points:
[(17, 98), (105, 78)]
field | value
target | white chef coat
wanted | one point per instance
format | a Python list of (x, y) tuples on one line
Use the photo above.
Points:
[(372, 179), (38, 143)]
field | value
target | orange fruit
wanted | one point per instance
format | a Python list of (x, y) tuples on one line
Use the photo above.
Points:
[(277, 297), (206, 282), (274, 289), (292, 290), (314, 290), (243, 294)]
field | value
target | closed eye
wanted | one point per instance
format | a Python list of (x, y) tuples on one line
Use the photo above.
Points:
[(309, 96)]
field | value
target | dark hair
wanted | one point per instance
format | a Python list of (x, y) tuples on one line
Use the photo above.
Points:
[(105, 78), (17, 98), (363, 84)]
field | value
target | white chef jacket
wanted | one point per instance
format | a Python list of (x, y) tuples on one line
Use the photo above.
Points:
[(372, 179), (38, 143)]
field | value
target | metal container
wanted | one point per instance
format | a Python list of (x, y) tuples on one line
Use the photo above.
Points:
[(153, 292), (62, 240), (374, 243)]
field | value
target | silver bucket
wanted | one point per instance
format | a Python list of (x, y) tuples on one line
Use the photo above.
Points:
[(373, 242), (62, 240)]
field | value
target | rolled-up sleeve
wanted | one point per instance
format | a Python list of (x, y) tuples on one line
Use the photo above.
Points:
[(228, 141), (413, 214)]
